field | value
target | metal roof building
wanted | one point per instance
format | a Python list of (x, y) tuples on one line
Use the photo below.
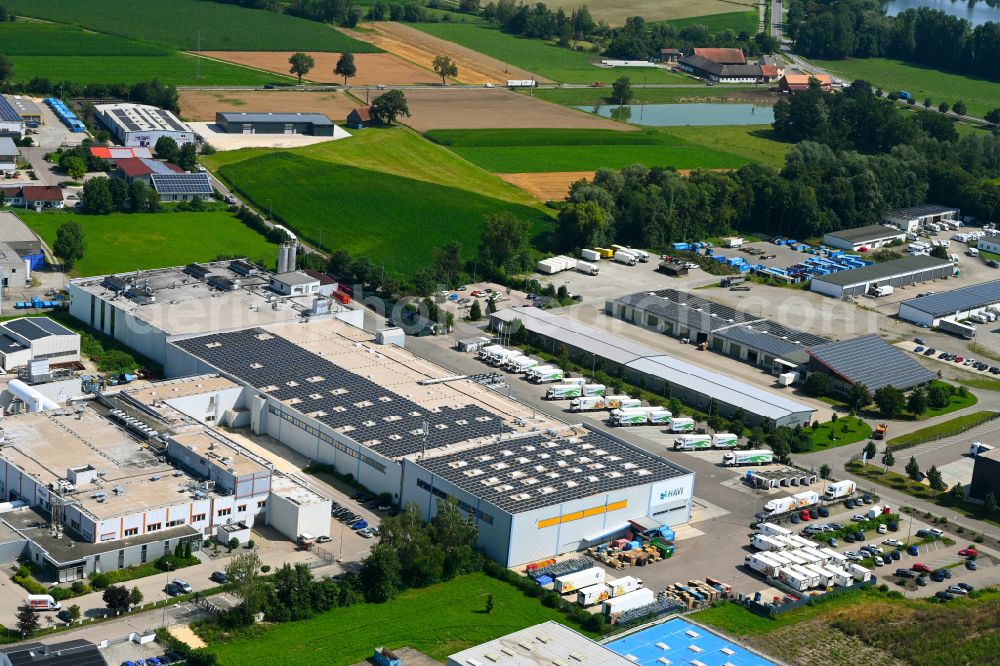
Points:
[(142, 125), (687, 381), (11, 123), (26, 108), (76, 652), (235, 122), (898, 273), (547, 643), (872, 237), (915, 217), (954, 304), (871, 361)]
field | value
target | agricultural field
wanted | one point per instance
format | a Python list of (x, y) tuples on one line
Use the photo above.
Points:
[(545, 59), (69, 53), (736, 21), (437, 620), (202, 105), (123, 242), (396, 195), (698, 93), (192, 24), (527, 151), (616, 11), (373, 68), (979, 95), (755, 143)]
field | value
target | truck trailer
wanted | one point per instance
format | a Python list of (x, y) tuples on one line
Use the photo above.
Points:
[(548, 376), (724, 440), (579, 580), (693, 443), (626, 258), (792, 502), (771, 529), (590, 255), (839, 489), (563, 391), (749, 457), (639, 416), (587, 268), (623, 586), (595, 594), (637, 599), (764, 542), (681, 424), (520, 364)]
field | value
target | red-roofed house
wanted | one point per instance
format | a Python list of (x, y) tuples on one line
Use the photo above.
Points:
[(769, 73), (115, 153), (33, 196), (360, 118), (722, 56), (132, 168), (797, 82)]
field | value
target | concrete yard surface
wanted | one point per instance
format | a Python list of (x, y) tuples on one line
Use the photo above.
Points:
[(221, 140)]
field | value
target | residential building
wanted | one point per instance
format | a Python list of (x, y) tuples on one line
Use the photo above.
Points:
[(315, 124), (361, 118), (790, 83), (897, 273), (864, 238), (171, 182), (142, 125), (870, 361), (917, 217), (142, 168), (33, 196)]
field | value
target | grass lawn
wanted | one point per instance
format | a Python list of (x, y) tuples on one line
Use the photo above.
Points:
[(123, 242), (179, 23), (640, 95), (753, 142), (984, 384), (542, 150), (957, 402), (736, 21), (980, 95), (438, 620), (948, 428), (847, 430), (543, 58)]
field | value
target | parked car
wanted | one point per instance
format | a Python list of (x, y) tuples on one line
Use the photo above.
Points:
[(814, 514), (905, 573), (969, 552), (913, 550), (367, 532), (971, 565), (918, 350), (867, 499), (921, 581), (936, 532), (917, 566), (966, 587), (896, 543), (836, 526), (849, 503), (858, 518), (893, 527), (894, 554), (930, 351), (219, 577), (854, 556), (323, 539), (361, 524), (919, 341), (882, 529), (944, 596), (944, 572), (878, 560), (956, 589), (849, 538), (834, 543), (795, 519), (823, 512), (859, 536)]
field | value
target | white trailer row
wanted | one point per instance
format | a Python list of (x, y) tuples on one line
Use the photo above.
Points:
[(561, 263), (596, 403), (609, 589), (802, 500), (808, 568)]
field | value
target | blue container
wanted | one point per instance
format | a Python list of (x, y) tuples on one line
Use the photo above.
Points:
[(682, 246)]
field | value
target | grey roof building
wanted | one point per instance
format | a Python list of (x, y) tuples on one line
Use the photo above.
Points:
[(868, 360), (871, 237), (915, 217), (77, 652), (955, 304), (315, 124), (898, 273), (714, 71)]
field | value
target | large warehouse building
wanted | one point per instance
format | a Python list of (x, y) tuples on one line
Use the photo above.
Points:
[(870, 361), (142, 125), (864, 238), (691, 383), (898, 273), (917, 217), (953, 305), (237, 122)]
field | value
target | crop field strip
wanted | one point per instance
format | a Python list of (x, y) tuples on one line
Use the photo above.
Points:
[(616, 11)]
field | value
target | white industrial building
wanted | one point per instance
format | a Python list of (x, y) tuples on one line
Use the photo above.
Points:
[(865, 238), (991, 244), (540, 645), (897, 273), (36, 338), (694, 384), (142, 125), (954, 305), (144, 310), (915, 218)]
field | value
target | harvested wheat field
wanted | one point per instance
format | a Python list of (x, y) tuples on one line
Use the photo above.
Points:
[(201, 105), (481, 108), (546, 186), (373, 68), (419, 47)]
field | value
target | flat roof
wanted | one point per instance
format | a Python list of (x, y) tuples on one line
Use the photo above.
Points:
[(25, 106), (335, 373), (529, 471), (14, 230), (884, 271), (287, 117), (872, 361), (211, 445), (915, 212), (294, 278), (77, 652), (653, 361), (869, 233), (678, 641), (141, 118), (8, 147), (546, 643), (957, 300)]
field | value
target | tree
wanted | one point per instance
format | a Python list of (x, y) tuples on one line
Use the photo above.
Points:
[(301, 64), (70, 243), (6, 68), (445, 67), (74, 613), (27, 622), (233, 544), (166, 149), (187, 159), (959, 108), (116, 598), (491, 306), (934, 478), (891, 402), (141, 197), (824, 471), (912, 468), (119, 194), (455, 533), (939, 395), (859, 397), (345, 66), (96, 196), (475, 312), (243, 580), (583, 224), (621, 90), (135, 596), (447, 262), (916, 404), (503, 241), (76, 168), (389, 106), (888, 459), (928, 103), (489, 603), (989, 504), (957, 492), (817, 384), (943, 107), (870, 452), (939, 252), (381, 574), (993, 117)]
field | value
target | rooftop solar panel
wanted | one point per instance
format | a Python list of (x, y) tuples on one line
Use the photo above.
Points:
[(957, 300), (50, 326), (182, 183), (26, 328), (7, 112), (872, 361)]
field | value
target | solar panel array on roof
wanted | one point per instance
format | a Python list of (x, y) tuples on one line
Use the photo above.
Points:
[(526, 473), (349, 403), (957, 300), (754, 339), (920, 211), (872, 361), (77, 652), (7, 112), (182, 183)]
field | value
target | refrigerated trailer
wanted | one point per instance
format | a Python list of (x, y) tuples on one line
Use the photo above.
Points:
[(594, 594), (623, 585), (839, 489), (764, 542), (563, 391), (579, 580), (771, 529), (681, 424), (724, 440), (693, 443), (637, 599), (593, 403), (749, 457)]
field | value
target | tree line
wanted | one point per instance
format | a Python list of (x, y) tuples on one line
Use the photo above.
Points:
[(837, 29), (152, 92)]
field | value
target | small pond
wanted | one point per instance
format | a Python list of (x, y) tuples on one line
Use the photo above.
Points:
[(668, 115)]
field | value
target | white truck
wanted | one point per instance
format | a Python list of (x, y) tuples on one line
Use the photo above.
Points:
[(594, 403), (792, 502), (563, 391), (764, 542), (622, 586), (548, 376), (639, 416), (641, 255), (626, 258), (488, 350), (521, 83), (839, 489), (554, 265), (693, 443), (637, 599), (43, 602), (587, 268), (681, 424), (590, 255), (595, 594), (724, 440), (521, 364), (749, 457), (579, 580), (594, 390), (659, 416), (795, 579), (884, 290), (771, 529), (501, 357), (763, 563), (733, 242)]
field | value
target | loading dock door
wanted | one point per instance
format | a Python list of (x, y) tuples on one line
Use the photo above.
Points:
[(700, 338)]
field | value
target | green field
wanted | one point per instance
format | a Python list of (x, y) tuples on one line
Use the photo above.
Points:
[(542, 58), (979, 95), (121, 242), (846, 430), (31, 38), (541, 150), (180, 23), (640, 95), (753, 142), (736, 21), (438, 620)]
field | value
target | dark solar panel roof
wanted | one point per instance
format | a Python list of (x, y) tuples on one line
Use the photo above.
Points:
[(862, 234), (68, 653), (167, 119), (50, 326), (872, 361), (26, 328), (526, 473), (883, 271), (769, 344), (182, 183), (347, 402), (9, 344), (124, 119), (950, 302), (7, 112)]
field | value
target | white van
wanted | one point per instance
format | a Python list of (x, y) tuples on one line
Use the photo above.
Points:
[(43, 602)]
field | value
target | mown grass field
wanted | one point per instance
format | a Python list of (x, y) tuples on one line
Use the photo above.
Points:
[(754, 143), (542, 58), (541, 150), (979, 95), (616, 11), (122, 242), (736, 21), (180, 23), (438, 620), (846, 430), (640, 95)]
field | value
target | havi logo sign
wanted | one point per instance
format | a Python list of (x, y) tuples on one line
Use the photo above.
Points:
[(672, 492)]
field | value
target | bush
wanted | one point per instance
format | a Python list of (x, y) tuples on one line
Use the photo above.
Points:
[(99, 581), (883, 588), (895, 594)]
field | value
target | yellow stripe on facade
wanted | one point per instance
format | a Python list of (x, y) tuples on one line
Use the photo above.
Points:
[(586, 513)]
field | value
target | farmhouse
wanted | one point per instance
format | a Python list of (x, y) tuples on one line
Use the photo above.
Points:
[(870, 361), (315, 124), (33, 196), (899, 273), (11, 123), (361, 118), (724, 66), (917, 217), (26, 108), (171, 182), (138, 168), (790, 83), (142, 125), (721, 56), (864, 238), (9, 154)]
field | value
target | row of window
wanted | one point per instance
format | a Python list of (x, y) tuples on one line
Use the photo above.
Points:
[(315, 432), (467, 508)]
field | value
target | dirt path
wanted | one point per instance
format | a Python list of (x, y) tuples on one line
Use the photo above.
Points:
[(420, 48), (548, 186)]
